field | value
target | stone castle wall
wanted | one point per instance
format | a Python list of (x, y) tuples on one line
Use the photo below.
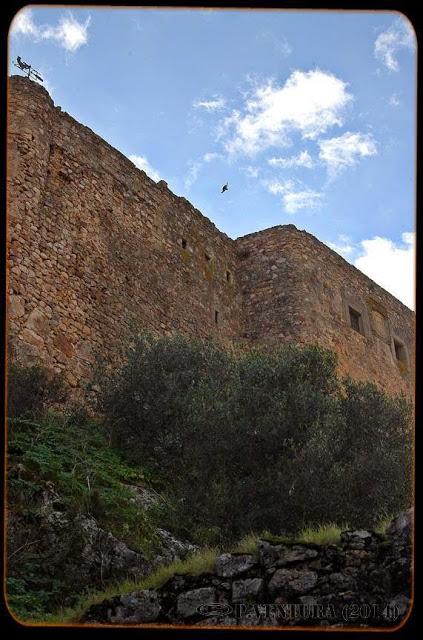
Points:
[(98, 249), (296, 288)]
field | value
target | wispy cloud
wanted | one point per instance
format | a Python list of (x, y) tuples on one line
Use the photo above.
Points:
[(309, 103), (390, 264), (345, 151), (215, 104), (295, 197), (400, 35), (192, 175), (279, 43), (394, 100), (69, 33), (24, 24), (142, 163), (251, 172), (196, 166), (303, 159), (210, 156), (344, 246)]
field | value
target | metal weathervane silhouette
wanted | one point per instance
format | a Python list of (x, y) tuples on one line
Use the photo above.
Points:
[(27, 69)]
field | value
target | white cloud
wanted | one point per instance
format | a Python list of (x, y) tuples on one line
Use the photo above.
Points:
[(210, 156), (309, 102), (142, 163), (24, 24), (400, 35), (346, 150), (391, 265), (250, 171), (215, 104), (295, 198), (192, 174), (69, 33), (344, 246), (195, 167), (303, 159)]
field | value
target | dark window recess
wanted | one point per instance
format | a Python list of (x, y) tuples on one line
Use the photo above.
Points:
[(355, 320), (184, 243), (216, 317), (400, 351), (228, 276)]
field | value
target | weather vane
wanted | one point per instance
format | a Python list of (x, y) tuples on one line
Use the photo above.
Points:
[(24, 66)]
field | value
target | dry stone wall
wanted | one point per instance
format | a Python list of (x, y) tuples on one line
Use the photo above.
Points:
[(99, 250), (364, 581)]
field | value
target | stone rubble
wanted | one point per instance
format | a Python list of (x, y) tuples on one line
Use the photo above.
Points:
[(365, 581)]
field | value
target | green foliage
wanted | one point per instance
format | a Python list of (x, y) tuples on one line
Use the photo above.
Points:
[(74, 460), (32, 389), (258, 440), (266, 441)]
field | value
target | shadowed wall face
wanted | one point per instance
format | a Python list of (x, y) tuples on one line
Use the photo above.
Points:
[(99, 250)]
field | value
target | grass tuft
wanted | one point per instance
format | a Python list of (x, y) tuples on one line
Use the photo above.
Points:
[(329, 533), (383, 523)]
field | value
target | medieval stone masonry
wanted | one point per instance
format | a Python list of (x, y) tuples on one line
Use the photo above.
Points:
[(98, 250)]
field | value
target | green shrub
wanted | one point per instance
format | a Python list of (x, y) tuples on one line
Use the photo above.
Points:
[(258, 440), (31, 390)]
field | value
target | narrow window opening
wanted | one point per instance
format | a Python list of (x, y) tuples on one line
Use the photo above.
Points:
[(355, 320), (216, 317), (228, 276), (400, 351), (184, 243)]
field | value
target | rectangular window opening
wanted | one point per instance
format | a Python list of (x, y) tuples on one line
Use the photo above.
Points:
[(184, 243), (400, 351), (228, 276), (355, 320), (216, 317)]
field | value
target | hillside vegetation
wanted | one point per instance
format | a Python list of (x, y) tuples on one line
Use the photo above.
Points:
[(237, 443)]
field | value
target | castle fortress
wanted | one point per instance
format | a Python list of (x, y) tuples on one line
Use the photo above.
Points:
[(97, 248)]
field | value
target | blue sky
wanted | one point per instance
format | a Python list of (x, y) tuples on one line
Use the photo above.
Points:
[(310, 116)]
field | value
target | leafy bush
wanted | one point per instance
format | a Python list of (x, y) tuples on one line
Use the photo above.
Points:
[(258, 440), (31, 390)]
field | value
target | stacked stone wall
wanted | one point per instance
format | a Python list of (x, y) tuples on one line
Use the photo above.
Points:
[(363, 581), (98, 250), (296, 288)]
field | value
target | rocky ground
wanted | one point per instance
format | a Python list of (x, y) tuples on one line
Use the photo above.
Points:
[(365, 581)]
